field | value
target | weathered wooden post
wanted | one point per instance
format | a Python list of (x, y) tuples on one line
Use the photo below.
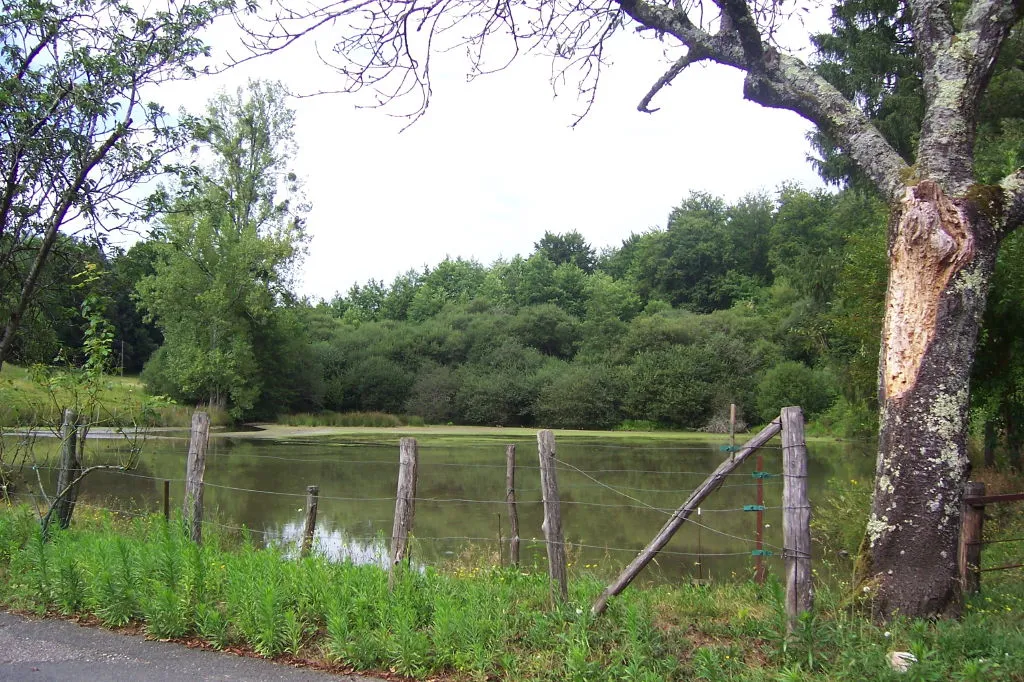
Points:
[(969, 555), (796, 516), (552, 517), (195, 469), (70, 468), (510, 499), (167, 501), (732, 428), (405, 504), (312, 500)]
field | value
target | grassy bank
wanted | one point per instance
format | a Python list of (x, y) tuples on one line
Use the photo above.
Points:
[(121, 401), (474, 623)]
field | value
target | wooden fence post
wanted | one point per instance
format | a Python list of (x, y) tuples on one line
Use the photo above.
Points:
[(167, 501), (510, 498), (195, 469), (405, 504), (69, 468), (796, 516), (969, 554), (312, 500), (552, 517), (732, 428)]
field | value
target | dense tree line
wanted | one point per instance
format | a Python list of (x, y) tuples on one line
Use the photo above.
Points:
[(742, 302), (767, 301)]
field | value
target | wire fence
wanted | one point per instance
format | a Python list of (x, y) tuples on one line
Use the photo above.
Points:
[(603, 491)]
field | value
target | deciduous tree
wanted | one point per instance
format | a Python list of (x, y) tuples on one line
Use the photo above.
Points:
[(77, 133), (227, 251)]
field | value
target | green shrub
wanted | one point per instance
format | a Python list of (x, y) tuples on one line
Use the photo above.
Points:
[(581, 397), (793, 383)]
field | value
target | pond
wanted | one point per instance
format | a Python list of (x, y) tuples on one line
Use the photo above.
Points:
[(616, 494)]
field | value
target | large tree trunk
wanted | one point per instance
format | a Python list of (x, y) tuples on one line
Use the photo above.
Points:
[(941, 254)]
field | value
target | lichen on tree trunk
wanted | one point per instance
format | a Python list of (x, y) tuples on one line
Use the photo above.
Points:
[(941, 255)]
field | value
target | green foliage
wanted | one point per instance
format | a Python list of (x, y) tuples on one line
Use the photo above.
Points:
[(374, 419), (838, 520), (569, 247)]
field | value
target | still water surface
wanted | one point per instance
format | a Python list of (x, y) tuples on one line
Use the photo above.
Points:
[(615, 496)]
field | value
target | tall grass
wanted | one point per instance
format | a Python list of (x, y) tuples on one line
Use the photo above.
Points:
[(483, 624)]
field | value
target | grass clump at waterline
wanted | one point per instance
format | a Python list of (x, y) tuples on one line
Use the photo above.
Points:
[(478, 624), (349, 419)]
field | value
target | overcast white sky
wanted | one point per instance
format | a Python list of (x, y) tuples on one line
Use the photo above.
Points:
[(494, 163)]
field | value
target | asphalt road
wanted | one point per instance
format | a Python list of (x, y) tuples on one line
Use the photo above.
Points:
[(52, 650)]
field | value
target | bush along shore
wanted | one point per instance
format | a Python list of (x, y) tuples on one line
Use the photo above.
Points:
[(471, 622)]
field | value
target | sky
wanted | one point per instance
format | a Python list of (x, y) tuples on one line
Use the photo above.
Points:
[(496, 162)]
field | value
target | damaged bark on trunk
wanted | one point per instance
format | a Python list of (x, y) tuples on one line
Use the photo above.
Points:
[(942, 252)]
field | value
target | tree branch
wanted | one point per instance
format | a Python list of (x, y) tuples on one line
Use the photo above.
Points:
[(71, 486), (742, 23), (694, 55), (784, 82), (957, 68), (69, 197)]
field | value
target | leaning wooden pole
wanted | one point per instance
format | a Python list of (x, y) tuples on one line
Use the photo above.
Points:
[(405, 504), (309, 530), (796, 516), (195, 469), (679, 517), (552, 517), (510, 499)]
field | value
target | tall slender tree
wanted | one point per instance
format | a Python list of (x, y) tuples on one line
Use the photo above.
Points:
[(226, 253)]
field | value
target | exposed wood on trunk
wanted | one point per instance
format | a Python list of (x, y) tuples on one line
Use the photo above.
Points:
[(679, 517), (932, 243), (195, 469), (796, 516), (557, 569), (405, 505)]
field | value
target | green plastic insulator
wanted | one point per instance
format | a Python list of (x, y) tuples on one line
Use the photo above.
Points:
[(762, 474), (753, 507), (728, 448), (761, 552)]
